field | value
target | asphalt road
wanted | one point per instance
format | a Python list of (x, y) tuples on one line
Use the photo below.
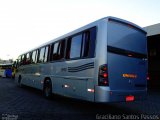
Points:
[(29, 104)]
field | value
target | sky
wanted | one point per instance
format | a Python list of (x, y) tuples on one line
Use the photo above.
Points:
[(25, 24)]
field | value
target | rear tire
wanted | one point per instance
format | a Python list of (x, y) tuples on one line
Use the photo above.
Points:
[(47, 89), (19, 81)]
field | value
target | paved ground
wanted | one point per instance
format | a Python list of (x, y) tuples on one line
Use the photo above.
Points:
[(28, 104)]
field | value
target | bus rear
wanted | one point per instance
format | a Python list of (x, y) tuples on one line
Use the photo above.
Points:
[(123, 77)]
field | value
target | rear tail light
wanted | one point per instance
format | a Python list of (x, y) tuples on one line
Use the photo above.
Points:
[(103, 76), (130, 98)]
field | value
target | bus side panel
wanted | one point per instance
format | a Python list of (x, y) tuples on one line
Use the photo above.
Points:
[(26, 75), (73, 88), (73, 78)]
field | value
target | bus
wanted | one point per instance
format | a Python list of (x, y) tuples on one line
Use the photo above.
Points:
[(14, 69), (103, 61), (6, 70)]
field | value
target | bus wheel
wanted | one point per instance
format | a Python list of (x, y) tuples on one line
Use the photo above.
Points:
[(47, 89), (19, 81)]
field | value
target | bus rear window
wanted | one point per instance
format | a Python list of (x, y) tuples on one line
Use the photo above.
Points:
[(127, 37)]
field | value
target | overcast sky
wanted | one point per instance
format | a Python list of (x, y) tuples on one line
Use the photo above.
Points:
[(25, 24)]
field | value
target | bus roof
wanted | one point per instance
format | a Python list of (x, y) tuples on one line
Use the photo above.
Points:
[(6, 64)]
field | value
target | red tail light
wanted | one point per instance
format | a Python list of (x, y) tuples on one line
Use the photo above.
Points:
[(103, 76), (129, 98)]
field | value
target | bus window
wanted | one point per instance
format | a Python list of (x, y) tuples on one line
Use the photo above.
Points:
[(88, 45), (58, 50), (92, 39), (46, 54), (41, 55), (34, 56), (54, 51), (28, 61), (74, 47), (23, 58), (86, 42), (61, 49), (68, 49)]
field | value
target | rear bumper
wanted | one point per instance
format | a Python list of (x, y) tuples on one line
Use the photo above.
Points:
[(104, 94)]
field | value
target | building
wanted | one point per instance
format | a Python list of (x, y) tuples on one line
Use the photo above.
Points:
[(153, 42)]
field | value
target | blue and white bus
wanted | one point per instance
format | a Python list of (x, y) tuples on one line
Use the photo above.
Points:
[(104, 61), (6, 70)]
